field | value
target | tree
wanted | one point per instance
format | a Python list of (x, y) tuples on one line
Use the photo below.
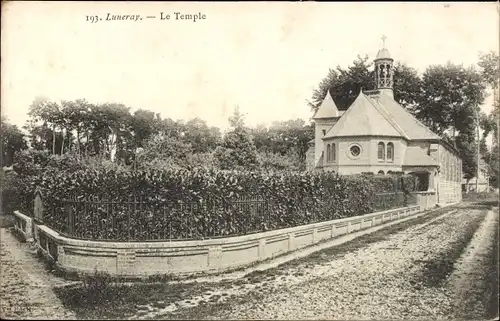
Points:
[(144, 124), (160, 146), (201, 137), (489, 65), (46, 114), (110, 128), (284, 138), (237, 150), (76, 114), (488, 62), (493, 165), (407, 85), (345, 84), (12, 142), (451, 96), (467, 147)]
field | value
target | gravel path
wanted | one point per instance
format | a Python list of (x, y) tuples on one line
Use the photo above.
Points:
[(25, 285), (409, 275)]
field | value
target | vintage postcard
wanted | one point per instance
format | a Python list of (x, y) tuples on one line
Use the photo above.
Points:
[(249, 160)]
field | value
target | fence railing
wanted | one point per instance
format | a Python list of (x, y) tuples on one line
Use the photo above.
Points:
[(138, 220)]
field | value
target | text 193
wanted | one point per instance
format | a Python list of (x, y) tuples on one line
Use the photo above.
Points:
[(92, 19)]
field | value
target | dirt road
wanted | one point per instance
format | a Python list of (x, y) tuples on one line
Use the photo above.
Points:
[(440, 269), (25, 284), (438, 266)]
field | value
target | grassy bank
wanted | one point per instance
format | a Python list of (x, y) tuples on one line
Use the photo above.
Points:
[(491, 294), (436, 271)]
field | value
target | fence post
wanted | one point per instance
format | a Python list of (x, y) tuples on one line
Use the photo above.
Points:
[(38, 206), (419, 202), (71, 218)]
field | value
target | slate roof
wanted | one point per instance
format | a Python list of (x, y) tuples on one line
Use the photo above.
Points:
[(413, 128), (327, 109), (379, 115), (364, 117), (418, 157)]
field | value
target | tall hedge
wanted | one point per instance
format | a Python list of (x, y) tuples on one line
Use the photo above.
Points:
[(113, 202), (225, 202)]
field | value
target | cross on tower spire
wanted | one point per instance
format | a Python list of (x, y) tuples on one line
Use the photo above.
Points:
[(383, 40)]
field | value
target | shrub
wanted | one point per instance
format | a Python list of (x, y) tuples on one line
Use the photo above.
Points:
[(274, 161), (202, 202), (473, 196), (15, 193)]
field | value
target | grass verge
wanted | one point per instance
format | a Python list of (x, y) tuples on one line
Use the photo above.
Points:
[(436, 271), (326, 255), (491, 294)]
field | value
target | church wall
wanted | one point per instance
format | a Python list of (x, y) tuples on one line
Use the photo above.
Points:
[(320, 126), (367, 161), (415, 147), (450, 176), (399, 151)]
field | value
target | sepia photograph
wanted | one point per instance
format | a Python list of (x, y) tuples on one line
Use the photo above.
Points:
[(170, 160)]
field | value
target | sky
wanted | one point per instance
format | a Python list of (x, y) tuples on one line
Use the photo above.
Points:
[(265, 57)]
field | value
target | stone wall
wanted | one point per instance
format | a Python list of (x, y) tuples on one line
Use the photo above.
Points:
[(24, 226), (141, 259)]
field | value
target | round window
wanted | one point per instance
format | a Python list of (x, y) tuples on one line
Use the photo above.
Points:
[(355, 151)]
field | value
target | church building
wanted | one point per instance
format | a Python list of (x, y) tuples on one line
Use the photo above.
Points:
[(377, 135)]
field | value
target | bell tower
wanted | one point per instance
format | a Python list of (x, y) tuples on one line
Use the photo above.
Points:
[(384, 71)]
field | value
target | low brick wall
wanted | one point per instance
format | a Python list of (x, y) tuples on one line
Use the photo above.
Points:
[(24, 226), (142, 259)]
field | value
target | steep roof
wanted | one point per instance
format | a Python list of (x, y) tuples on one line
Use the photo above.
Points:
[(327, 109), (413, 128), (365, 117)]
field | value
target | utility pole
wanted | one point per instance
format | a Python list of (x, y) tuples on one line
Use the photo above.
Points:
[(478, 155), (496, 104)]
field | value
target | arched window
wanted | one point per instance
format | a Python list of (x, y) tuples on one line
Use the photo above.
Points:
[(333, 153), (324, 132), (328, 153), (390, 151), (381, 151), (381, 173)]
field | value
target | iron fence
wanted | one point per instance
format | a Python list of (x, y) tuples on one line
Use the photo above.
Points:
[(385, 201), (136, 219)]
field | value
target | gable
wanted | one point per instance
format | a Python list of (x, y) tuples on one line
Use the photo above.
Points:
[(413, 128), (364, 118)]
